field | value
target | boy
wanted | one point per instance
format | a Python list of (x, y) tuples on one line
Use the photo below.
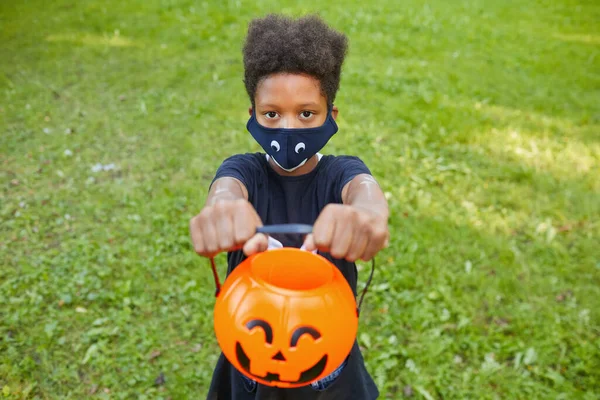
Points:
[(292, 72)]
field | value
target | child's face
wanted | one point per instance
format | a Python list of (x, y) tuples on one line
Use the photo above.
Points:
[(290, 101)]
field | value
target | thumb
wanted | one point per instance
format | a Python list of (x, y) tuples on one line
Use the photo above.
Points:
[(256, 244), (309, 243)]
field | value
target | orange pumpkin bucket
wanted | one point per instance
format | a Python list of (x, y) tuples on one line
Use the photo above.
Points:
[(285, 317)]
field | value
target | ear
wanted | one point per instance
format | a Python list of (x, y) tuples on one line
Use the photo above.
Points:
[(250, 111), (334, 112)]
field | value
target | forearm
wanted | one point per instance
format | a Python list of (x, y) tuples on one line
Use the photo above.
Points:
[(227, 222), (364, 192), (226, 189)]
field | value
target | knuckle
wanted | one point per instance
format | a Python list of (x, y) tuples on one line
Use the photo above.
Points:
[(205, 212), (202, 218), (337, 251), (331, 209), (241, 204), (351, 257), (354, 213), (196, 219), (366, 219), (366, 228), (199, 249), (262, 239), (336, 254), (381, 234), (243, 233), (219, 207), (238, 234), (320, 239), (367, 255), (212, 248), (225, 240), (244, 203)]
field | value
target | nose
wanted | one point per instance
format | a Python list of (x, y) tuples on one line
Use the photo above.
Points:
[(278, 357), (290, 122)]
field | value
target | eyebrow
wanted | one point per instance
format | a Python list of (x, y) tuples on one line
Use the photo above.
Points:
[(311, 104), (268, 105)]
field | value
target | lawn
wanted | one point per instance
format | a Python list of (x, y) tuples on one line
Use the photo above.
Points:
[(480, 119)]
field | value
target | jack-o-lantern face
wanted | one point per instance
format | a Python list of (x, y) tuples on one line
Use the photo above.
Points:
[(286, 318), (306, 376)]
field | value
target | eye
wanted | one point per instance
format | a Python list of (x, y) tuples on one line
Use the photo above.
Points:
[(275, 146), (299, 147), (265, 327), (304, 330), (271, 114), (306, 114)]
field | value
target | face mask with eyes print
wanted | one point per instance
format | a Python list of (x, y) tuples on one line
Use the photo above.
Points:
[(291, 148)]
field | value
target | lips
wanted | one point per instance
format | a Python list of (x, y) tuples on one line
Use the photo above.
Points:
[(306, 376)]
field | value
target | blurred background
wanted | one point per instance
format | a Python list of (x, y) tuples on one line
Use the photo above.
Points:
[(481, 120)]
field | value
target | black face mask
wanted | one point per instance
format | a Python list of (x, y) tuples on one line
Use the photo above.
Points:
[(291, 148)]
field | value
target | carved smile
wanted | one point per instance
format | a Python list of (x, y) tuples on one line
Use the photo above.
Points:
[(305, 377)]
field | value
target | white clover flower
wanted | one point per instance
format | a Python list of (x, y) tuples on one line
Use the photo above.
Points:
[(97, 167)]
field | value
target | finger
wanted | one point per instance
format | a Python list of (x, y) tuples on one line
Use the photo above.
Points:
[(324, 228), (309, 243), (367, 253), (196, 234), (256, 244), (224, 230), (359, 244), (244, 224), (342, 238), (209, 238), (376, 243), (386, 242)]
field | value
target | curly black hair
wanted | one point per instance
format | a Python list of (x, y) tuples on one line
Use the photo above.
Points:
[(306, 45)]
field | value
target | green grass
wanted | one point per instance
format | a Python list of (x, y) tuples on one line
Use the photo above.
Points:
[(480, 119)]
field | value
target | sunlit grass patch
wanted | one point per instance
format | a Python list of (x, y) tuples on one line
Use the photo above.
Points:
[(115, 40), (581, 38)]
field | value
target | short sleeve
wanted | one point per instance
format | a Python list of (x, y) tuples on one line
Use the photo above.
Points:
[(343, 169), (246, 168)]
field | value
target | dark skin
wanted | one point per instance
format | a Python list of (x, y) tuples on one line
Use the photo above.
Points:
[(354, 230)]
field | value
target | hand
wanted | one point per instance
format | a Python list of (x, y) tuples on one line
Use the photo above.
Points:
[(226, 226), (348, 232)]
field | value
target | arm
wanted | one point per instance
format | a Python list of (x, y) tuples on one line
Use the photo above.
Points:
[(226, 189), (227, 222), (356, 229), (364, 192)]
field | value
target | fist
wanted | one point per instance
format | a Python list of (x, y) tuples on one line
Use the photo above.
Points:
[(226, 226), (348, 232)]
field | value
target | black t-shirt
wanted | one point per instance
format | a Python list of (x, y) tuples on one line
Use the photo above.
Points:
[(294, 199)]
